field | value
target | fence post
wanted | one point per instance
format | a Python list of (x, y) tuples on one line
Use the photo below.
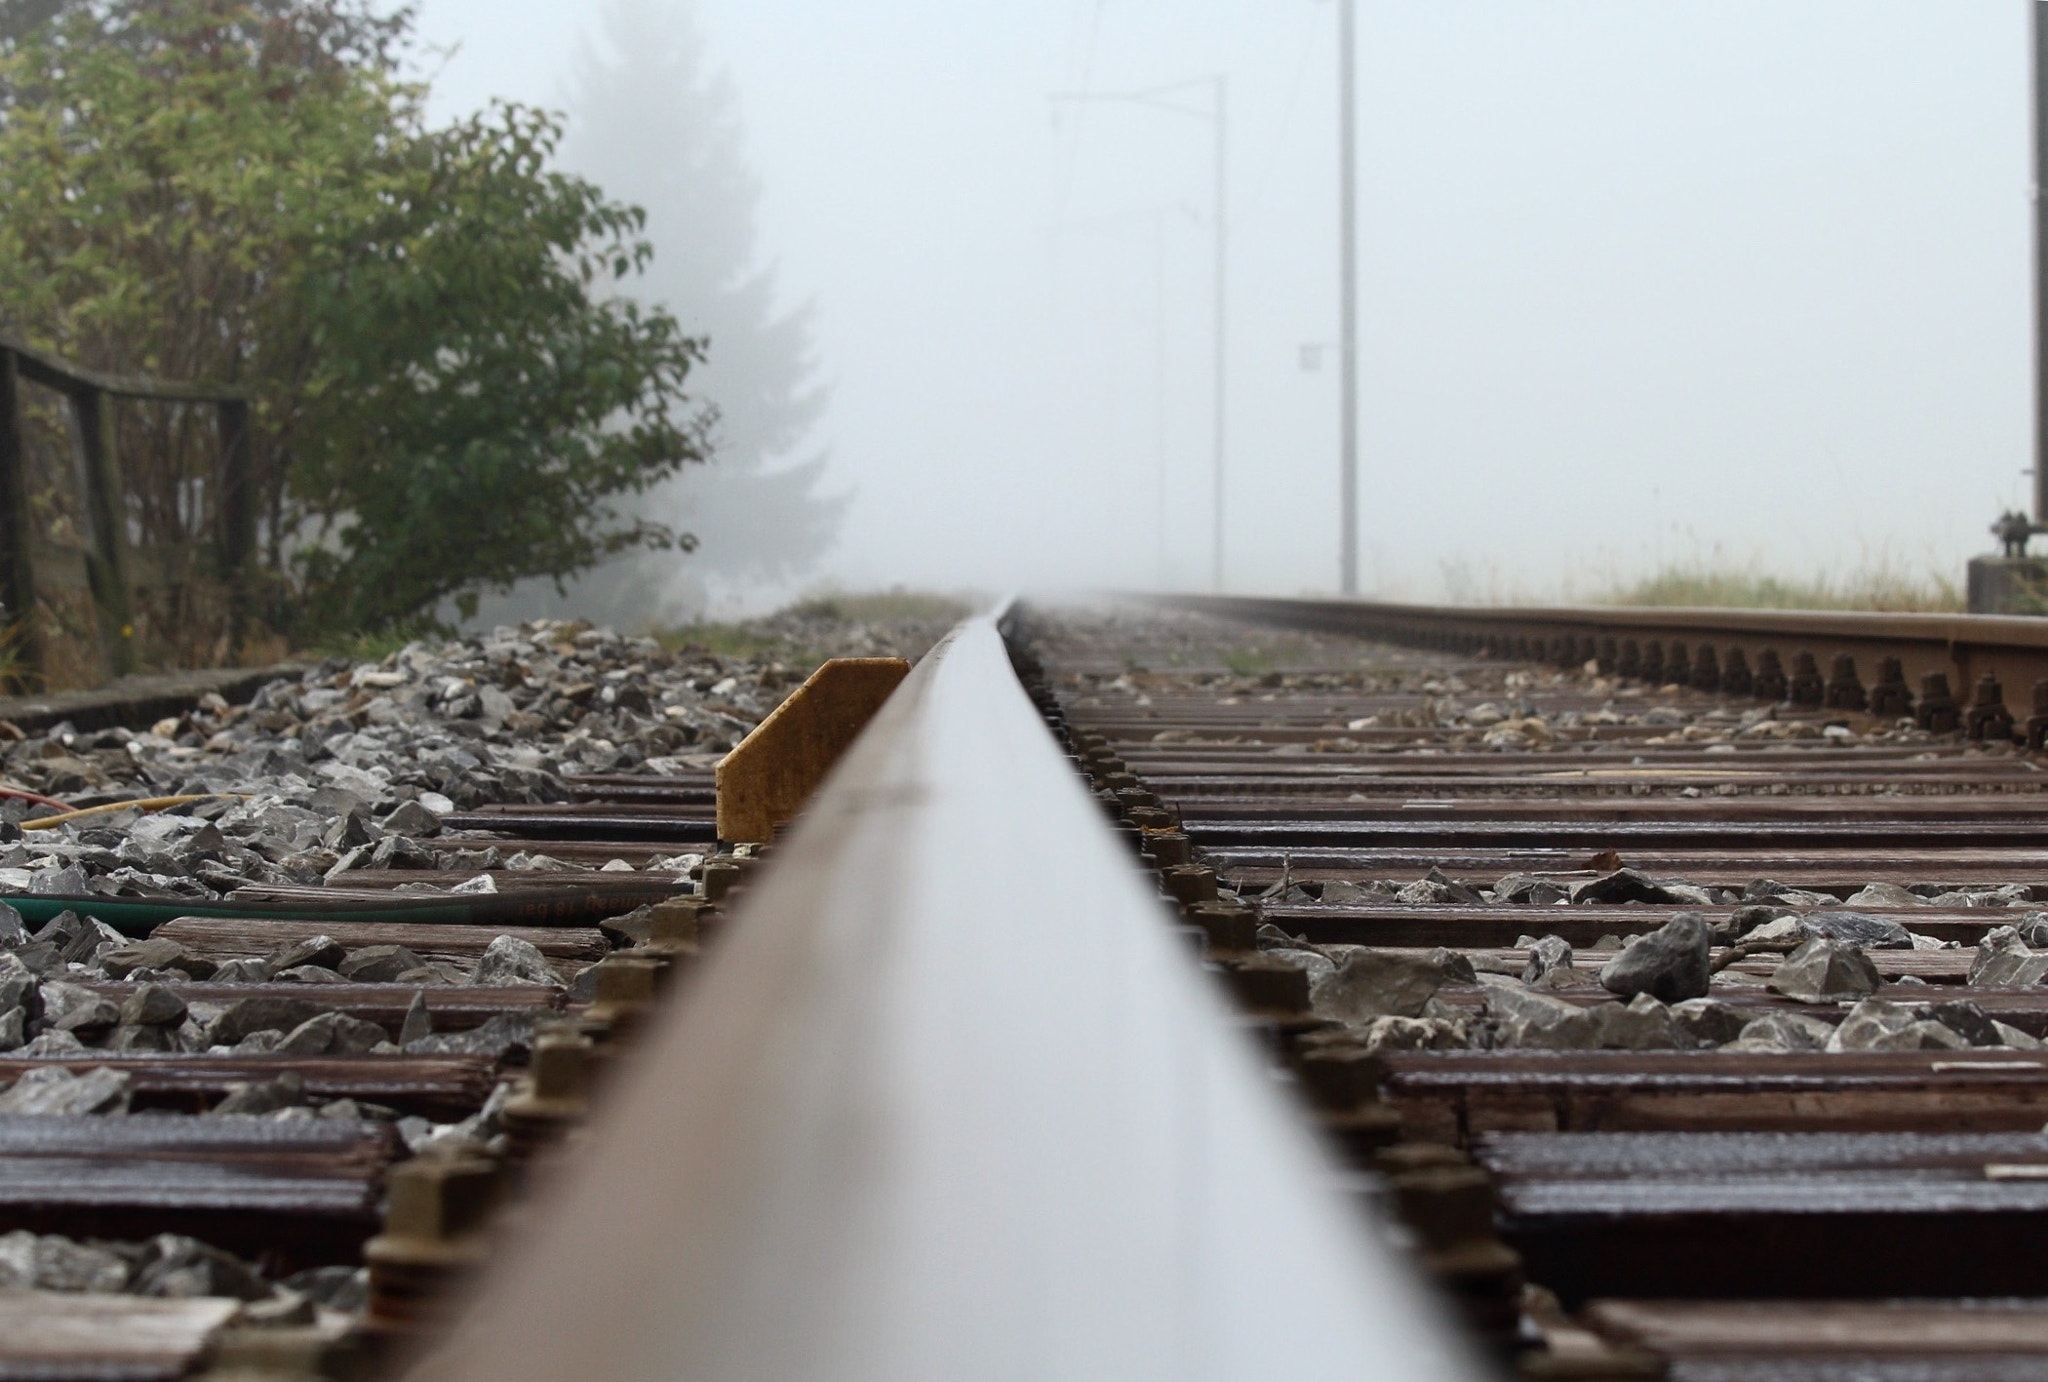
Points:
[(237, 518), (107, 564), (17, 568)]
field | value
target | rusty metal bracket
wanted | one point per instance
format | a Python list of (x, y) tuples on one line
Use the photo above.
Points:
[(772, 772)]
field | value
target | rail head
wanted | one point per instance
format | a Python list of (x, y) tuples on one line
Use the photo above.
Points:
[(950, 1101), (1981, 661), (1940, 630)]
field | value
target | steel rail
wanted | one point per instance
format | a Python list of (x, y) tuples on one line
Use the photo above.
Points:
[(950, 1101), (1965, 647)]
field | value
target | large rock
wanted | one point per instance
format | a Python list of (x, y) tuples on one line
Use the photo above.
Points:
[(1435, 889), (54, 1090), (1878, 1025), (1549, 953), (1641, 1024), (323, 952), (1787, 932), (1525, 1018), (153, 1005), (1871, 933), (1965, 1018), (510, 960), (1864, 932), (1525, 889), (1744, 921), (265, 1014), (182, 1267), (55, 1263), (378, 964), (2005, 961), (497, 1038), (1782, 1032), (1383, 983), (307, 974), (19, 986), (119, 961), (413, 819), (1670, 964), (1770, 890), (73, 1008), (417, 1022), (1709, 1021), (288, 1090), (1412, 1034), (1886, 895), (1633, 885), (1824, 971), (331, 1034)]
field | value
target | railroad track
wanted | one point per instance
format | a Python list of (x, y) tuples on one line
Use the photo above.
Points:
[(951, 1086), (1823, 1164)]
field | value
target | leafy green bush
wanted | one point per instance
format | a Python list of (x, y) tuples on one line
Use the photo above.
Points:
[(449, 395)]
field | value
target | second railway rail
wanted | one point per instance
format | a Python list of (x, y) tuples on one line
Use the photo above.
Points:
[(1665, 986)]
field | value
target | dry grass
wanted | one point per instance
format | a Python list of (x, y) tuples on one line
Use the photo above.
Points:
[(1886, 588)]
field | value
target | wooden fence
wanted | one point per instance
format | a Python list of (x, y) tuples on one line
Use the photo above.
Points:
[(108, 559)]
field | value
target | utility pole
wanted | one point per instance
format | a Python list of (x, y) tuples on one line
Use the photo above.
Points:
[(1159, 392), (1222, 298), (2037, 33), (1347, 259)]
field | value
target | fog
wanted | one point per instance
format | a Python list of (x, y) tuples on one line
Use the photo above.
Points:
[(1642, 280)]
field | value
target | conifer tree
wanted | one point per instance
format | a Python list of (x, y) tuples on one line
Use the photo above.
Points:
[(655, 124)]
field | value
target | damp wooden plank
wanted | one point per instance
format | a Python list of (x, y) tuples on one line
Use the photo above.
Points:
[(1493, 926), (1840, 1329), (569, 949), (526, 897), (439, 1087), (1453, 1096), (1785, 1215), (304, 1191), (450, 1007), (61, 1336)]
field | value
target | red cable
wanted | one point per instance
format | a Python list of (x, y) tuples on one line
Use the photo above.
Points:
[(36, 797)]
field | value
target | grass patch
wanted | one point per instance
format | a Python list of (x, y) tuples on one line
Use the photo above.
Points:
[(818, 626), (730, 640), (883, 606), (375, 647), (1887, 589)]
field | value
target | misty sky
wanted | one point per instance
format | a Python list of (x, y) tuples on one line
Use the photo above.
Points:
[(1643, 280)]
